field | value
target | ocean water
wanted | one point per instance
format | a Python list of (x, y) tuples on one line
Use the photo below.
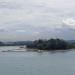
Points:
[(33, 63)]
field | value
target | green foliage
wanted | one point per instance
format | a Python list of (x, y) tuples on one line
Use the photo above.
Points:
[(51, 44)]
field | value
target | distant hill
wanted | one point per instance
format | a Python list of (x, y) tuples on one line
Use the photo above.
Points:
[(1, 43), (17, 43), (71, 41), (22, 42)]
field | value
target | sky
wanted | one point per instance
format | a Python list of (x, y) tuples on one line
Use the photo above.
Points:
[(37, 19)]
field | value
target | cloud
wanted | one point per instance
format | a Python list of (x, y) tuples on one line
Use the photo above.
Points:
[(69, 21), (20, 31), (32, 19)]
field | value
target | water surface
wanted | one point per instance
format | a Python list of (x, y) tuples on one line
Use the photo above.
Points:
[(33, 63)]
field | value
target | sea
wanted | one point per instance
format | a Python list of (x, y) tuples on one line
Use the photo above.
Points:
[(36, 63)]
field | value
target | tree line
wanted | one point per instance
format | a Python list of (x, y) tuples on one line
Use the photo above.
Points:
[(51, 44)]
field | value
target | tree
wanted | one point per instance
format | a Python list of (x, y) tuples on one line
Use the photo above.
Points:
[(51, 44)]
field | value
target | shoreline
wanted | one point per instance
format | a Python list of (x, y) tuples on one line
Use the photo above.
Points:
[(37, 50)]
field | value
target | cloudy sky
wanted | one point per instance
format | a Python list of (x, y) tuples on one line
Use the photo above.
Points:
[(33, 19)]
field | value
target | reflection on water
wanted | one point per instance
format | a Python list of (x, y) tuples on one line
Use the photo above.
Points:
[(34, 63), (59, 51)]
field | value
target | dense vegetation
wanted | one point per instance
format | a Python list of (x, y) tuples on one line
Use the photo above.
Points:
[(51, 44)]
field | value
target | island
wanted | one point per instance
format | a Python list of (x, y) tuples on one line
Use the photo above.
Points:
[(41, 45), (51, 44)]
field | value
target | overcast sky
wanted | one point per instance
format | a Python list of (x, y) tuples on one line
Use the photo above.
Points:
[(33, 19)]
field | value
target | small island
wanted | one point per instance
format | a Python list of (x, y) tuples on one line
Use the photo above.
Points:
[(41, 45), (51, 44)]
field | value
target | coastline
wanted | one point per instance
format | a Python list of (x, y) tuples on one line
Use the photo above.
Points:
[(36, 50)]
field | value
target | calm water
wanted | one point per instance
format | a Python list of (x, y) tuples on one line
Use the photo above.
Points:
[(33, 63)]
